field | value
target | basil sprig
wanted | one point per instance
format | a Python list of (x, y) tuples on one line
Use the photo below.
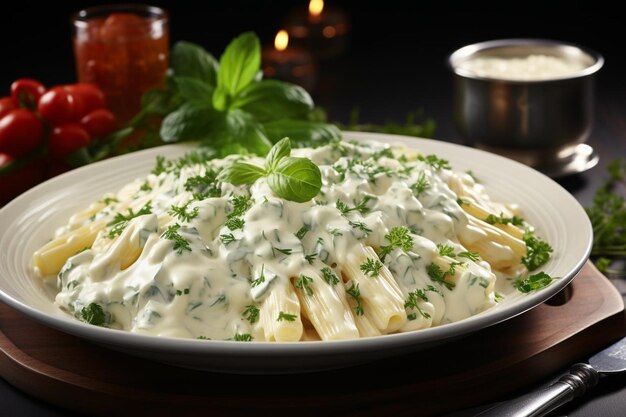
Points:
[(226, 105), (292, 178)]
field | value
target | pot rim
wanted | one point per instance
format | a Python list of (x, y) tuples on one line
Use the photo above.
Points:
[(466, 52)]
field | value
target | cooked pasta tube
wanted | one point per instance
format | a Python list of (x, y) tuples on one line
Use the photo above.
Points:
[(51, 257), (323, 307), (479, 213), (281, 302), (126, 248), (380, 293), (363, 323), (81, 217), (499, 236)]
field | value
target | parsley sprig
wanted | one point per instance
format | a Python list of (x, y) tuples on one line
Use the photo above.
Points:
[(371, 267), (120, 221), (180, 243), (398, 237), (412, 302)]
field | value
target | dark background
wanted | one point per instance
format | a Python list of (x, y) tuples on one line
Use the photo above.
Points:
[(395, 62)]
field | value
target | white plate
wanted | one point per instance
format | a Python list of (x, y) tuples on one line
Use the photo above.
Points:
[(30, 220)]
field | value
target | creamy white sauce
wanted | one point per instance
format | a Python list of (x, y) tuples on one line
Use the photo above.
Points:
[(528, 68), (203, 292)]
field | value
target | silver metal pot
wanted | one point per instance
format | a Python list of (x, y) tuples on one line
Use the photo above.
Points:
[(535, 121)]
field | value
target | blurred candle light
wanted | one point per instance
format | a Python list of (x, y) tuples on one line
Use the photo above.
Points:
[(321, 29), (287, 63)]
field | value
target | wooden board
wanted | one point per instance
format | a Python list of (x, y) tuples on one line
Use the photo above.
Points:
[(77, 375)]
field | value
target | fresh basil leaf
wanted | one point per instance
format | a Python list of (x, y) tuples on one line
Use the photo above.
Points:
[(302, 132), (239, 63), (244, 130), (191, 123), (281, 149), (221, 98), (194, 91), (272, 99), (295, 179), (191, 60), (159, 101), (240, 172)]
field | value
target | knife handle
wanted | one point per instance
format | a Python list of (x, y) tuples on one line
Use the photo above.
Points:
[(542, 401)]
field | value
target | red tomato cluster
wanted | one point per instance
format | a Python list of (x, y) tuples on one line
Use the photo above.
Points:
[(40, 128)]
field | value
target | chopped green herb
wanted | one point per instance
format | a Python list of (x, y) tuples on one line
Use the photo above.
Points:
[(361, 206), (202, 338), (240, 204), (182, 214), (120, 221), (371, 267), (251, 313), (515, 220), (304, 282), (93, 314), (438, 275), (145, 186), (435, 162), (445, 250), (286, 316), (235, 223), (161, 165), (180, 243), (260, 279), (355, 293), (284, 251), (181, 292), (413, 302), (109, 200), (421, 185), (227, 238), (452, 267), (537, 251), (242, 337), (398, 237), (329, 276), (204, 186), (360, 226), (311, 257), (335, 232), (460, 201), (472, 256), (533, 282), (302, 232)]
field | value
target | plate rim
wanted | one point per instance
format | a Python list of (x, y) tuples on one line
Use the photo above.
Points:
[(112, 337)]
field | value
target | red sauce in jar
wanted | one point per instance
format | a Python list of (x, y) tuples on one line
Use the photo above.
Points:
[(124, 52)]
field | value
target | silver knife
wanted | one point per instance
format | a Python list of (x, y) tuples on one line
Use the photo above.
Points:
[(581, 376)]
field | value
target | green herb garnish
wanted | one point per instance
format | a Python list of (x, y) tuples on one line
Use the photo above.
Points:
[(292, 178), (537, 251), (398, 237), (93, 314), (251, 313), (413, 300), (304, 282), (438, 275), (371, 267), (533, 282), (180, 243), (120, 221), (355, 293), (286, 316), (242, 337), (329, 276), (182, 214)]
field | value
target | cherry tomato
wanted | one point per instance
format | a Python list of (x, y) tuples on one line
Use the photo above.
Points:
[(20, 179), (57, 106), (87, 98), (67, 138), (99, 123), (6, 105), (26, 92), (21, 132)]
